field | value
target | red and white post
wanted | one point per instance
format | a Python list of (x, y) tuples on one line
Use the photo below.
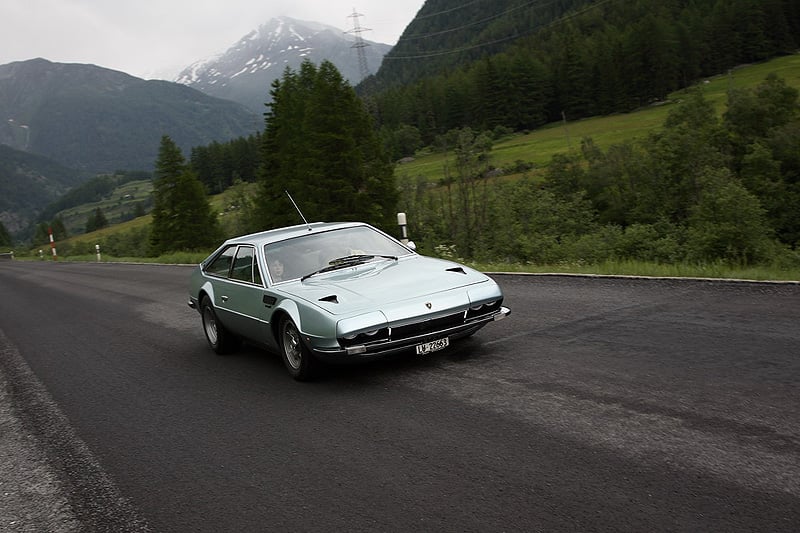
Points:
[(52, 244)]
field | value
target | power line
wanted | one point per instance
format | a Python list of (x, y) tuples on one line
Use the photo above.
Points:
[(503, 39), (446, 11), (487, 19)]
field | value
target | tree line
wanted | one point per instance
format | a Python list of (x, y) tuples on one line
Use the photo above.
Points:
[(220, 165)]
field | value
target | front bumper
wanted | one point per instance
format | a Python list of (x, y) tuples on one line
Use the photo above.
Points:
[(392, 346)]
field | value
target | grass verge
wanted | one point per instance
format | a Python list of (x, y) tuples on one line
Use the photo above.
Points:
[(175, 258), (658, 270)]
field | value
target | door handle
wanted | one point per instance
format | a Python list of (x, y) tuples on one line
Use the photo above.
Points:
[(223, 298)]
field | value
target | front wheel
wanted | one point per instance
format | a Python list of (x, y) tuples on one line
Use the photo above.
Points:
[(220, 339), (298, 359)]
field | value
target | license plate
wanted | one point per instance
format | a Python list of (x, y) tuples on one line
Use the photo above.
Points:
[(433, 346)]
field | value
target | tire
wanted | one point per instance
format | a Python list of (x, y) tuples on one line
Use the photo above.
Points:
[(296, 356), (219, 338)]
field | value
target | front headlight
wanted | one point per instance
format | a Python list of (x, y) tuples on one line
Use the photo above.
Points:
[(366, 337), (483, 309)]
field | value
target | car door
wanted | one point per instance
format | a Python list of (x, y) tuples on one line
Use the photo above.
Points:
[(240, 296)]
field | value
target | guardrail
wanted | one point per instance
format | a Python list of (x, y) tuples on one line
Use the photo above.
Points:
[(7, 256)]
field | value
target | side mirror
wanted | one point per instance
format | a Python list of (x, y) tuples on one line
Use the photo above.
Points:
[(411, 245)]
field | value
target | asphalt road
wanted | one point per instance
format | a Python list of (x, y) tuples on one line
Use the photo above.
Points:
[(600, 404)]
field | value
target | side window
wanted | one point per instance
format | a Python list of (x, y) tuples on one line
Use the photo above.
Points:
[(222, 264), (243, 264)]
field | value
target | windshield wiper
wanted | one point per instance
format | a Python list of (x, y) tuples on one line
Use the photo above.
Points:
[(346, 261), (358, 258)]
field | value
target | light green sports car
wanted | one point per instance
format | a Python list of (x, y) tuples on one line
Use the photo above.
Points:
[(337, 292)]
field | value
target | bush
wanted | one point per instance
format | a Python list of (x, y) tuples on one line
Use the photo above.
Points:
[(727, 223), (658, 242), (501, 131), (596, 247)]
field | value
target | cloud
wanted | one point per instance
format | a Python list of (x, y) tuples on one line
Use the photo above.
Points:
[(153, 37)]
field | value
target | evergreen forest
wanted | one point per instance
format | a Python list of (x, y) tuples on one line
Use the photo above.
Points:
[(600, 57)]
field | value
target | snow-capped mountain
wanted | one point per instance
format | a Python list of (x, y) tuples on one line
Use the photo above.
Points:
[(245, 72)]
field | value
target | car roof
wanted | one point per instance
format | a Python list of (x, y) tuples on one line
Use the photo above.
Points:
[(281, 234)]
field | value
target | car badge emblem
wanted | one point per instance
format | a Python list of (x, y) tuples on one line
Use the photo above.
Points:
[(428, 305)]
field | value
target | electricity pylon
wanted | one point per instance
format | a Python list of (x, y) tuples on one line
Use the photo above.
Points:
[(359, 45)]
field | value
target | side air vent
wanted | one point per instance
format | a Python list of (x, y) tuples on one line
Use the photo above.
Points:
[(330, 299), (457, 269)]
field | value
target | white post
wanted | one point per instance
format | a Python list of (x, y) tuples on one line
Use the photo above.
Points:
[(401, 221), (97, 249)]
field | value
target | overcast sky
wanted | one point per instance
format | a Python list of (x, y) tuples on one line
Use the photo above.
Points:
[(157, 38)]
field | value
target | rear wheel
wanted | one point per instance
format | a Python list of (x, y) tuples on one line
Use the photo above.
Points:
[(220, 339), (298, 359)]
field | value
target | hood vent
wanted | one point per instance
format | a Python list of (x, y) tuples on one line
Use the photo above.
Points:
[(330, 299), (457, 269)]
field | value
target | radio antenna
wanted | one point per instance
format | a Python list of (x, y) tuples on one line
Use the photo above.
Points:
[(298, 210)]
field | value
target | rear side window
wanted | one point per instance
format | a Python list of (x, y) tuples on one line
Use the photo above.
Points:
[(222, 264)]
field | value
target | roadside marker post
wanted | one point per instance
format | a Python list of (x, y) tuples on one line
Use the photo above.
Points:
[(52, 244), (402, 222)]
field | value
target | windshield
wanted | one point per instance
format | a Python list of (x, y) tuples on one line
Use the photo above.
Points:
[(300, 256)]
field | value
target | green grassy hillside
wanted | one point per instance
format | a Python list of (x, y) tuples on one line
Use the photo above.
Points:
[(122, 201), (118, 207), (539, 146)]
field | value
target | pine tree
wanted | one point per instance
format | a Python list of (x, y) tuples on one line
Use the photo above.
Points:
[(196, 223), (169, 165), (529, 93), (572, 79), (5, 237), (96, 220), (320, 146), (59, 229), (182, 217)]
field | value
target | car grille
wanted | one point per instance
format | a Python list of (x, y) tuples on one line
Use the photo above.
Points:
[(428, 326)]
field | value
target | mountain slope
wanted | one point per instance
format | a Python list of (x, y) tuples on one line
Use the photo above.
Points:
[(27, 182), (244, 73), (449, 34), (601, 57), (99, 120)]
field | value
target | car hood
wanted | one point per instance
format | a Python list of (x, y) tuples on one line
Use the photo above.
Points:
[(379, 283)]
